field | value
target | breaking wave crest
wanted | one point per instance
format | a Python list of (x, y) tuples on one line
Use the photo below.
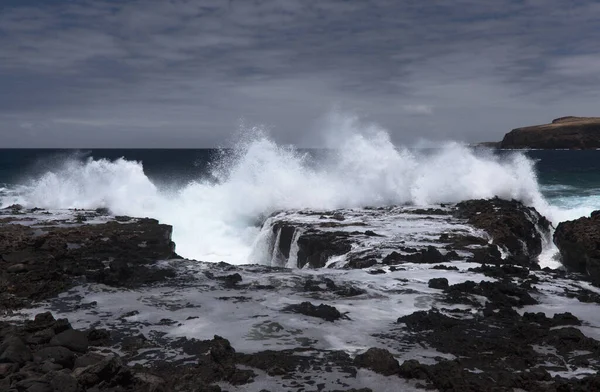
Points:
[(215, 220)]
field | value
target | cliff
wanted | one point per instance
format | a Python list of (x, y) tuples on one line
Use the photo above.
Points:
[(564, 132)]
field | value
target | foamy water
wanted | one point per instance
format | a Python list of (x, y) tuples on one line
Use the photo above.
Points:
[(216, 221)]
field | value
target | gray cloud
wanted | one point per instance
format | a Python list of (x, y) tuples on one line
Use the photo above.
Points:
[(183, 73)]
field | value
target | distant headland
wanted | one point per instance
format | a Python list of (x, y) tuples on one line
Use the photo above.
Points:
[(576, 133)]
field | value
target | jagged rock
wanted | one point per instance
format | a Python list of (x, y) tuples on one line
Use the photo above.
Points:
[(510, 224), (36, 264), (230, 280), (326, 312), (87, 360), (578, 242), (438, 283), (71, 339), (357, 263), (34, 385), (14, 350), (499, 294), (110, 369), (502, 271), (63, 382), (315, 248), (59, 355), (149, 382), (378, 360)]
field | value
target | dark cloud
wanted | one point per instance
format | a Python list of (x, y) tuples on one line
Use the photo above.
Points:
[(185, 73)]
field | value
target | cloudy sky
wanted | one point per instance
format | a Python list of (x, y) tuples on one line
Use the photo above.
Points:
[(187, 73)]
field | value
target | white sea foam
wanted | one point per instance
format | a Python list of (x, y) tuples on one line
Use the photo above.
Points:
[(215, 221)]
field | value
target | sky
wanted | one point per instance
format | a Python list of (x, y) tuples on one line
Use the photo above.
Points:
[(187, 73)]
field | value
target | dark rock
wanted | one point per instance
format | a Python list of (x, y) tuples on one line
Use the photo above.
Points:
[(499, 294), (149, 382), (315, 248), (510, 224), (393, 258), (326, 312), (40, 321), (63, 382), (71, 339), (209, 388), (378, 360), (438, 283), (7, 369), (40, 337), (88, 360), (230, 280), (452, 256), (502, 271), (221, 351), (565, 319), (34, 385), (17, 268), (98, 337), (59, 355), (425, 256), (41, 263), (358, 263), (134, 343), (578, 242), (430, 255), (110, 370), (444, 267), (14, 350)]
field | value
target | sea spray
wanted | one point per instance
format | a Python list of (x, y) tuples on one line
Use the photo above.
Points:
[(215, 219)]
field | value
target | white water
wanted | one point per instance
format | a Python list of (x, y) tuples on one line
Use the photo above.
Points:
[(215, 221)]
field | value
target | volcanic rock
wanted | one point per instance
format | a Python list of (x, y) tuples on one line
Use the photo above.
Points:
[(438, 283), (37, 263), (326, 312), (71, 339), (378, 360), (509, 223), (578, 242), (316, 248)]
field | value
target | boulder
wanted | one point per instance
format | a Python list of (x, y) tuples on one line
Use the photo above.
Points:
[(378, 360), (438, 283), (326, 312), (58, 354), (71, 339), (110, 370), (14, 350), (578, 242)]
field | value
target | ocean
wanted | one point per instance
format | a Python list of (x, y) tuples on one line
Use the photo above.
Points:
[(216, 199)]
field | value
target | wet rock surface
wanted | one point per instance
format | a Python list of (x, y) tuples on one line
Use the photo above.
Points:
[(437, 315), (40, 256), (490, 231), (579, 244), (510, 224), (29, 365)]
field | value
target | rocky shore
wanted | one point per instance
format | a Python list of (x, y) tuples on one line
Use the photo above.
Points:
[(447, 298), (563, 133)]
